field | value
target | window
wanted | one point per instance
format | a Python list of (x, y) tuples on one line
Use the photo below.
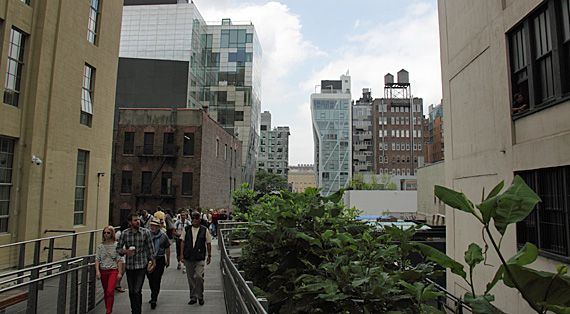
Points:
[(26, 1), (93, 27), (548, 224), (188, 149), (393, 133), (129, 143), (146, 182), (393, 146), (14, 69), (539, 51), (397, 146), (6, 167), (166, 184), (238, 116), (148, 144), (397, 120), (187, 183), (87, 96), (126, 182), (385, 146), (168, 144), (407, 146), (217, 147), (80, 187), (392, 120), (225, 151)]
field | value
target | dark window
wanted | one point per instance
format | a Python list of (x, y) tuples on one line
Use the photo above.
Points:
[(146, 183), (148, 148), (238, 116), (187, 183), (6, 167), (539, 50), (126, 182), (168, 145), (188, 144), (548, 224), (80, 187), (129, 143), (166, 183), (14, 69), (263, 127)]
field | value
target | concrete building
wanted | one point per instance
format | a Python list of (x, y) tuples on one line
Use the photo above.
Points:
[(398, 128), (273, 155), (171, 58), (301, 177), (330, 113), (362, 129), (60, 65), (491, 50), (399, 204), (434, 150), (172, 158), (430, 208)]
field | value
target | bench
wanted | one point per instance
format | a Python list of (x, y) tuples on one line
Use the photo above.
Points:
[(12, 297)]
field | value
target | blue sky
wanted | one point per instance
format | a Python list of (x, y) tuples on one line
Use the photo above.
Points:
[(306, 41)]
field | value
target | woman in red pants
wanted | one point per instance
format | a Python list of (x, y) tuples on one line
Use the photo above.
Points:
[(107, 266)]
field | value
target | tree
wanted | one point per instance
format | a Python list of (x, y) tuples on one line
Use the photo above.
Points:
[(265, 182), (358, 182)]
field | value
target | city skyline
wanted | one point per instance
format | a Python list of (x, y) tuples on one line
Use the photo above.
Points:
[(321, 40)]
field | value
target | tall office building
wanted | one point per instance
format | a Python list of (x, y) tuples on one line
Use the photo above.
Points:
[(59, 65), (434, 150), (171, 58), (273, 147), (330, 113), (398, 128), (362, 130)]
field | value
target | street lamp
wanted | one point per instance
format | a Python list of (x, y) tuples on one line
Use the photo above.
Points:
[(99, 175)]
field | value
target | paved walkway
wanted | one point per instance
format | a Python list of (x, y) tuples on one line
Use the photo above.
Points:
[(174, 294)]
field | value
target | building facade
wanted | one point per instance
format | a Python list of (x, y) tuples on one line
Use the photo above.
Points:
[(171, 58), (434, 150), (398, 128), (362, 129), (330, 113), (273, 147), (60, 65), (173, 159), (490, 51), (301, 177)]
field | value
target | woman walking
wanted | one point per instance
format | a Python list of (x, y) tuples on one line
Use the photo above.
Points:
[(107, 266)]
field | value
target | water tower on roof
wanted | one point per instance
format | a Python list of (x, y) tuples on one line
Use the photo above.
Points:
[(400, 89)]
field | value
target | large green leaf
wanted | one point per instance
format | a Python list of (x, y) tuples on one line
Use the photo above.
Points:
[(514, 204), (473, 255), (488, 206), (540, 284), (442, 259), (482, 304), (455, 199), (527, 255)]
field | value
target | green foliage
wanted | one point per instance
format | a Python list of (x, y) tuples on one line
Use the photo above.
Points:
[(544, 291), (265, 181), (307, 254), (357, 182), (243, 198)]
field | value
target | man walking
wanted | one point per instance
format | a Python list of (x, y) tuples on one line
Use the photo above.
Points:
[(179, 227), (162, 251), (136, 244), (196, 240)]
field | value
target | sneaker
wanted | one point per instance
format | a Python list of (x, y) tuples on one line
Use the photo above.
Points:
[(178, 267), (184, 272), (153, 305), (192, 301), (201, 301)]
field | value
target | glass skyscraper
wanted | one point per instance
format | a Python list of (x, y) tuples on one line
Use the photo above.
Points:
[(330, 113), (222, 61)]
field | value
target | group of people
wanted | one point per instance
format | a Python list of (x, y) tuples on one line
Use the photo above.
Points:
[(141, 248)]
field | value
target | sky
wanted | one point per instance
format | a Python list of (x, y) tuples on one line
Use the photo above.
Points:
[(306, 41)]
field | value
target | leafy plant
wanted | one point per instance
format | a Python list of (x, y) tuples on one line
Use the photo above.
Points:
[(243, 198), (265, 182), (308, 254), (543, 291)]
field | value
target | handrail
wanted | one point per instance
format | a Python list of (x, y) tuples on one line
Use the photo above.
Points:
[(48, 238)]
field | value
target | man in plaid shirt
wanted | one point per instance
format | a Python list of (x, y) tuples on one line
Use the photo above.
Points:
[(139, 252)]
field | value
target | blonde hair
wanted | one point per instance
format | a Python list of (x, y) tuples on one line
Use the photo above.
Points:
[(113, 236)]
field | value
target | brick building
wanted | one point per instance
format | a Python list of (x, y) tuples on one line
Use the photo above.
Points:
[(172, 158), (434, 150)]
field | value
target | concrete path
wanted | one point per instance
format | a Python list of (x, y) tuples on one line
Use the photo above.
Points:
[(174, 294)]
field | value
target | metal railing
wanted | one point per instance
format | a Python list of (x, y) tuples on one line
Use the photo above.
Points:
[(449, 302), (50, 275), (237, 291)]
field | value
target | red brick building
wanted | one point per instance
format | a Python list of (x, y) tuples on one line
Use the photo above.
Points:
[(172, 158)]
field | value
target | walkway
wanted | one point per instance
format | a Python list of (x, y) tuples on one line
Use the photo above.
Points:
[(174, 295)]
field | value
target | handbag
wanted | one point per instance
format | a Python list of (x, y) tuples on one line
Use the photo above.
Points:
[(149, 266)]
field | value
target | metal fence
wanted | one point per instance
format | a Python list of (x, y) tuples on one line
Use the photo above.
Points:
[(50, 275), (237, 291)]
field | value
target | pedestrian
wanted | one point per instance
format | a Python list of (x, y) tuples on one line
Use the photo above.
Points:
[(145, 218), (196, 242), (162, 252), (179, 226), (215, 218), (168, 218), (124, 226), (160, 215), (136, 244), (107, 266)]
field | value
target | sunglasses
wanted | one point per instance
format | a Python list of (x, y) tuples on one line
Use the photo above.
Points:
[(106, 232), (195, 217)]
